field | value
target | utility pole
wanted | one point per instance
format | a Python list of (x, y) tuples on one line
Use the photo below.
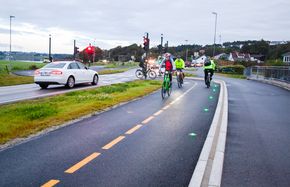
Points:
[(214, 33), (166, 47), (186, 53), (161, 45), (49, 49), (74, 50), (10, 38)]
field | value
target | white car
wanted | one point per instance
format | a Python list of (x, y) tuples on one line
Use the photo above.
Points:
[(66, 73)]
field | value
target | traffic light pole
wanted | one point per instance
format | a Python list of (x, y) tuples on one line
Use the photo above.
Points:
[(147, 55), (49, 50), (74, 50)]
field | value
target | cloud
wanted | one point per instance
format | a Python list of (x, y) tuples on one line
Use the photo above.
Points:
[(113, 22)]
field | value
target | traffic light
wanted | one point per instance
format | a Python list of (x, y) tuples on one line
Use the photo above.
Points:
[(90, 50), (76, 50), (146, 43)]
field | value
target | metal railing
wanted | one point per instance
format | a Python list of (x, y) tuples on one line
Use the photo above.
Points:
[(279, 73)]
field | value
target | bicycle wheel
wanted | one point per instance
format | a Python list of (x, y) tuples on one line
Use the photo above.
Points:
[(178, 81), (152, 74), (139, 74), (163, 91), (208, 82), (169, 90)]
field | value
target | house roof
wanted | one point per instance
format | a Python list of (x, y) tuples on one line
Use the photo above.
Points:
[(286, 54)]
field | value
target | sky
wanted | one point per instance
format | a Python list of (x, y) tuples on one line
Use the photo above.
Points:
[(111, 23)]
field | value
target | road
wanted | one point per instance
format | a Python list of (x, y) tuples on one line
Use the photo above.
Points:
[(159, 152), (257, 148), (10, 94)]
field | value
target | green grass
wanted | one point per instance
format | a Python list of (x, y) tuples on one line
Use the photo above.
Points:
[(112, 71), (7, 79), (10, 79), (28, 117), (236, 76), (116, 64), (16, 65), (189, 75)]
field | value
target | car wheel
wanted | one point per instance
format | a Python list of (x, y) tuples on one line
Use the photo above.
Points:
[(43, 86), (70, 82), (95, 80)]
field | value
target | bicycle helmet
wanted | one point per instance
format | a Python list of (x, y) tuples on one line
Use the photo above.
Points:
[(167, 55)]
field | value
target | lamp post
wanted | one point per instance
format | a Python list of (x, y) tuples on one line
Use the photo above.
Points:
[(10, 37), (49, 48), (214, 33), (161, 45), (186, 53)]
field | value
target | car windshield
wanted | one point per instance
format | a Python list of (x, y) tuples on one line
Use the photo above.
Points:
[(55, 65)]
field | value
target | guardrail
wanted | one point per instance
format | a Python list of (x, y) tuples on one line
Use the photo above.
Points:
[(281, 73)]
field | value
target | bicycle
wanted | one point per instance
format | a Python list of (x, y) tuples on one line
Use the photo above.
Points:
[(179, 78), (140, 74), (207, 81), (166, 87)]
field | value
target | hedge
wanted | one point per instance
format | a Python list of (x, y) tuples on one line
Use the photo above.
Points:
[(232, 69)]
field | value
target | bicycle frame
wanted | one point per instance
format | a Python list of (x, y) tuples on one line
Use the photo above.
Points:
[(166, 81)]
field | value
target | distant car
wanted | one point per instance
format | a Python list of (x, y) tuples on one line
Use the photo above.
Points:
[(66, 73), (198, 64), (188, 64)]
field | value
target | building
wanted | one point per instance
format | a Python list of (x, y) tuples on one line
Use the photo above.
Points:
[(286, 58), (239, 57)]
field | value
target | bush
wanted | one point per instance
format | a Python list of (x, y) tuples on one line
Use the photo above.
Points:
[(33, 67), (232, 69), (277, 62)]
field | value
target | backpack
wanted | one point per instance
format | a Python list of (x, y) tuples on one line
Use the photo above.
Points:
[(207, 63)]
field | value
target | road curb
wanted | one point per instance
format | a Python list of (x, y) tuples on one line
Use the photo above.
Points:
[(208, 170)]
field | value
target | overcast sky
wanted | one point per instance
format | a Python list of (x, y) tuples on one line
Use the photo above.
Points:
[(109, 23)]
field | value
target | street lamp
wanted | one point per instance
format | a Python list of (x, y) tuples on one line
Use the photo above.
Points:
[(186, 53), (10, 38), (161, 45), (49, 48), (214, 32)]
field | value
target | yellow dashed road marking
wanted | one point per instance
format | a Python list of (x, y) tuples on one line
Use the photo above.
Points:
[(166, 107), (82, 163), (157, 113), (147, 120), (114, 142), (133, 129), (50, 183)]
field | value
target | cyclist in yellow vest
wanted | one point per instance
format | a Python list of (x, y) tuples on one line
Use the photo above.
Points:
[(179, 64), (208, 66)]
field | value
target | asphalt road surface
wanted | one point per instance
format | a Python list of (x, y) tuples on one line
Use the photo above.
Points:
[(10, 94), (258, 137), (148, 142)]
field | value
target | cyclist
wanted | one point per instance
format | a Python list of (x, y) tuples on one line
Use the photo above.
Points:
[(208, 66), (179, 63), (169, 65)]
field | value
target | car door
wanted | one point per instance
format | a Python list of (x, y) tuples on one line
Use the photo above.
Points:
[(85, 73), (74, 70)]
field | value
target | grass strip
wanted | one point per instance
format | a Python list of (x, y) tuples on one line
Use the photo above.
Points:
[(8, 80), (28, 117), (236, 76), (112, 71), (16, 65)]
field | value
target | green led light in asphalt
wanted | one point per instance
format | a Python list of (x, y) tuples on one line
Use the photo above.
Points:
[(215, 85), (210, 97), (213, 90), (206, 110), (192, 134)]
